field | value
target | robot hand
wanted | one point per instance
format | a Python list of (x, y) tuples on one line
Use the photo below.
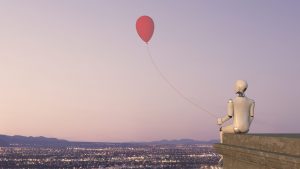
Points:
[(219, 121)]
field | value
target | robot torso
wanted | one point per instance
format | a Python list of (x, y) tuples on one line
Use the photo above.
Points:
[(241, 109)]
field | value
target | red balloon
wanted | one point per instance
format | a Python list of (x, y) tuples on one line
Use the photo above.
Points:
[(145, 28)]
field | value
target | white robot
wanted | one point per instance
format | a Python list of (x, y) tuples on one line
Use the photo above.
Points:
[(241, 109)]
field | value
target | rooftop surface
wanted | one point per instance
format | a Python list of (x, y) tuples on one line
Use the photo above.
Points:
[(278, 143), (260, 151)]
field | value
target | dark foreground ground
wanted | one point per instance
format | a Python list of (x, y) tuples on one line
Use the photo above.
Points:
[(110, 156)]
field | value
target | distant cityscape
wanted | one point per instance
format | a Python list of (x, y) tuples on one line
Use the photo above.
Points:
[(64, 154)]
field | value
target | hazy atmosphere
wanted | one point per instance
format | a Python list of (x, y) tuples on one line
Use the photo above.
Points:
[(77, 70)]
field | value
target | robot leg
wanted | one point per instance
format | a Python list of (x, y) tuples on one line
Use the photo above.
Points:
[(226, 129)]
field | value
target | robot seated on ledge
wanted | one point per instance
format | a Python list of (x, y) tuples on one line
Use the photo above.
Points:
[(241, 109)]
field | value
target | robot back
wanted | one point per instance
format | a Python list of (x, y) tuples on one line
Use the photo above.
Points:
[(242, 107)]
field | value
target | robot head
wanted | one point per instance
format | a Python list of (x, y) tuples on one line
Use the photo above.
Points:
[(240, 87)]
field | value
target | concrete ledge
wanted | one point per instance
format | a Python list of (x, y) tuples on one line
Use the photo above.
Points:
[(260, 151)]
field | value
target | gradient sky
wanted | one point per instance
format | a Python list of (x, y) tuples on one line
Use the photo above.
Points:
[(77, 70)]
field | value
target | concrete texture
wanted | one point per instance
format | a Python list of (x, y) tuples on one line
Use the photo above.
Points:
[(260, 151)]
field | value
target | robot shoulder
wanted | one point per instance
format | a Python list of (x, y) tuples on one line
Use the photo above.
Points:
[(230, 101), (251, 101)]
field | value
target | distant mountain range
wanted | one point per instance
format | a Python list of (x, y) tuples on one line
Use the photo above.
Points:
[(17, 140)]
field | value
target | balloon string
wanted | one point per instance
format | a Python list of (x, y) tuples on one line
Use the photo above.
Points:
[(183, 96)]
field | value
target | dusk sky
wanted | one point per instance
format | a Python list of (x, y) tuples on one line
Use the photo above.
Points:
[(77, 70)]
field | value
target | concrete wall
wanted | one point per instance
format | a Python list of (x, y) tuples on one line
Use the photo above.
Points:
[(260, 151)]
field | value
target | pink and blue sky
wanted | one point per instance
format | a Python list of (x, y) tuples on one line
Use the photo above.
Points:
[(78, 70)]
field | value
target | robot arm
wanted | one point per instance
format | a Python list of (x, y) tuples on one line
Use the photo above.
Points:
[(229, 113), (252, 112)]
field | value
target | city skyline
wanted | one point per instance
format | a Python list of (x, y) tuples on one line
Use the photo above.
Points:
[(77, 70)]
